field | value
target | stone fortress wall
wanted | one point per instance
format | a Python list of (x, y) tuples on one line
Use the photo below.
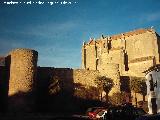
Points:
[(22, 65), (123, 55), (133, 51), (68, 76), (127, 54), (23, 68), (21, 79), (112, 71), (3, 88)]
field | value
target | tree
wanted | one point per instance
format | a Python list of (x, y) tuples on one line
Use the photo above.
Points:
[(104, 83), (137, 84), (99, 84), (143, 89)]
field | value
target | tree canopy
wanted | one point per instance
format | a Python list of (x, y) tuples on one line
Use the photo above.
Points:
[(138, 85), (104, 84)]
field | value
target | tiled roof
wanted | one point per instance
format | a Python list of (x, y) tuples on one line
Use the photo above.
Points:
[(131, 33), (155, 67), (127, 34)]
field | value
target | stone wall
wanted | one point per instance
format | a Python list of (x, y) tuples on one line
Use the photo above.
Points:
[(22, 70), (3, 88), (68, 77), (133, 52), (85, 77), (107, 56), (65, 88), (42, 92), (140, 45), (112, 71), (158, 41), (142, 52), (22, 77), (124, 49), (136, 68), (91, 57)]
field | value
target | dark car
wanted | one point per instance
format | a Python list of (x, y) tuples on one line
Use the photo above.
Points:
[(127, 112), (149, 117)]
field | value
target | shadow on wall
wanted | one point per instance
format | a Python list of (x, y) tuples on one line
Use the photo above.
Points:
[(57, 92), (4, 84), (53, 91), (125, 82), (50, 86), (23, 102), (18, 102), (125, 88), (158, 41)]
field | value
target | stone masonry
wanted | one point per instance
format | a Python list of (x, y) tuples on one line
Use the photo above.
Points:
[(133, 51), (117, 56), (22, 70), (22, 76), (123, 55)]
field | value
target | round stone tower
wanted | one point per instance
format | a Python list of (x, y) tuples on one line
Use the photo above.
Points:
[(111, 70), (22, 70), (23, 67)]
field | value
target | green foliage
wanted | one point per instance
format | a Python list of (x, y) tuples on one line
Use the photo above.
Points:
[(135, 83), (138, 85), (104, 83), (143, 88), (99, 84)]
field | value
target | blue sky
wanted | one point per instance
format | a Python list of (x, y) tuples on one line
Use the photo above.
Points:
[(57, 31)]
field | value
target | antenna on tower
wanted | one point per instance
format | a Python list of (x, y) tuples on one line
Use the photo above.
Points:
[(102, 36), (84, 43)]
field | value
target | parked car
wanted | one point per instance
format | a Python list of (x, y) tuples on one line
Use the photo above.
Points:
[(127, 112), (101, 114), (96, 112), (149, 117)]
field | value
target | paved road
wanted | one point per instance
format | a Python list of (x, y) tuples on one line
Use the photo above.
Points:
[(43, 117)]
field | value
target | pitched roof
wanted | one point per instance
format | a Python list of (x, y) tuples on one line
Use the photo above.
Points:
[(131, 33), (155, 67), (126, 34)]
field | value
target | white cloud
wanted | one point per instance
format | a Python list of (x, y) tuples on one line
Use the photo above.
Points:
[(48, 30), (153, 16), (53, 50), (149, 17)]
